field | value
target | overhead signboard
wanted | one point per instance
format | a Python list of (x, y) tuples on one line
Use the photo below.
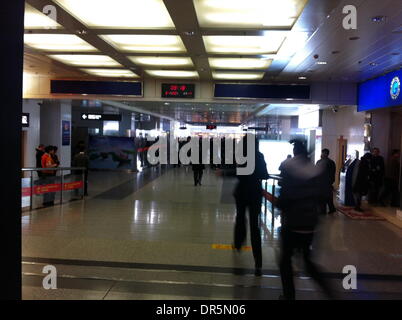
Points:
[(101, 117), (181, 90), (126, 88), (262, 91), (382, 92)]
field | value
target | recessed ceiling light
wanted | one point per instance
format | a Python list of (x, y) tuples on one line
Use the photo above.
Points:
[(248, 14), (335, 52), (57, 42), (302, 78), (239, 63), (161, 61), (269, 43), (145, 43), (123, 14), (121, 73), (172, 73), (321, 62), (34, 19), (189, 33), (88, 60), (354, 38), (373, 64), (237, 75)]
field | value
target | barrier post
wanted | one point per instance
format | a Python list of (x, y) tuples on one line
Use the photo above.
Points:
[(265, 198), (273, 203), (31, 192), (62, 187)]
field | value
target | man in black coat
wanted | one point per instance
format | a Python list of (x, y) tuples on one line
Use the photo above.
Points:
[(377, 173), (301, 193), (40, 151), (328, 170)]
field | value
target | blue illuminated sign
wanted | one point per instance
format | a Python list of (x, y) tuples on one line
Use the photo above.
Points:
[(382, 92)]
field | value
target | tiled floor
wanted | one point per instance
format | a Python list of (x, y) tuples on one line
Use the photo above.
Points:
[(150, 236)]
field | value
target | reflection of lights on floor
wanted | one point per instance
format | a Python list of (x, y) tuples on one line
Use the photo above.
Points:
[(139, 168)]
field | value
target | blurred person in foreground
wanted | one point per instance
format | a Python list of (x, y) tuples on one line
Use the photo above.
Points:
[(300, 197)]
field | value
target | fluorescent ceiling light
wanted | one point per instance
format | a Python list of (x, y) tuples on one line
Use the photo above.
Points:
[(172, 73), (86, 60), (162, 61), (123, 73), (295, 41), (248, 14), (239, 63), (57, 42), (237, 76), (266, 44), (119, 14), (145, 43), (34, 19)]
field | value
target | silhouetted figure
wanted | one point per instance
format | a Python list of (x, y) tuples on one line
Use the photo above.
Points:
[(377, 171), (40, 151), (391, 182), (248, 195), (328, 170), (299, 199), (360, 185)]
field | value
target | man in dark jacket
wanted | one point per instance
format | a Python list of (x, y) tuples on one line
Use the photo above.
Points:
[(328, 169), (299, 199), (360, 185), (40, 151), (377, 172), (391, 182), (248, 195)]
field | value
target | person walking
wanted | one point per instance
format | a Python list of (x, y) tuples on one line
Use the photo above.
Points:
[(360, 184), (377, 171), (328, 170), (299, 199), (81, 159), (391, 182), (248, 196)]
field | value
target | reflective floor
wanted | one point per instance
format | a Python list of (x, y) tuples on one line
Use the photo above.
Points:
[(154, 235)]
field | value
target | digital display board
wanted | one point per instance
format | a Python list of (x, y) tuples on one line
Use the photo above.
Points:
[(211, 127), (381, 92), (181, 90)]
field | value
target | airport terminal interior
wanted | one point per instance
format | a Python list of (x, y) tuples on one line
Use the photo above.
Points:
[(111, 86)]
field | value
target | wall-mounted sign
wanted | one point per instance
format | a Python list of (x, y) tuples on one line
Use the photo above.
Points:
[(25, 120), (101, 117), (211, 127), (126, 88), (65, 132), (170, 90), (381, 92)]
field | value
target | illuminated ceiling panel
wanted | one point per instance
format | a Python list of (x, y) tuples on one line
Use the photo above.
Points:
[(120, 73), (57, 42), (86, 60), (145, 43), (119, 14), (162, 61), (258, 14), (269, 43), (172, 73), (239, 63), (237, 75), (34, 19)]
